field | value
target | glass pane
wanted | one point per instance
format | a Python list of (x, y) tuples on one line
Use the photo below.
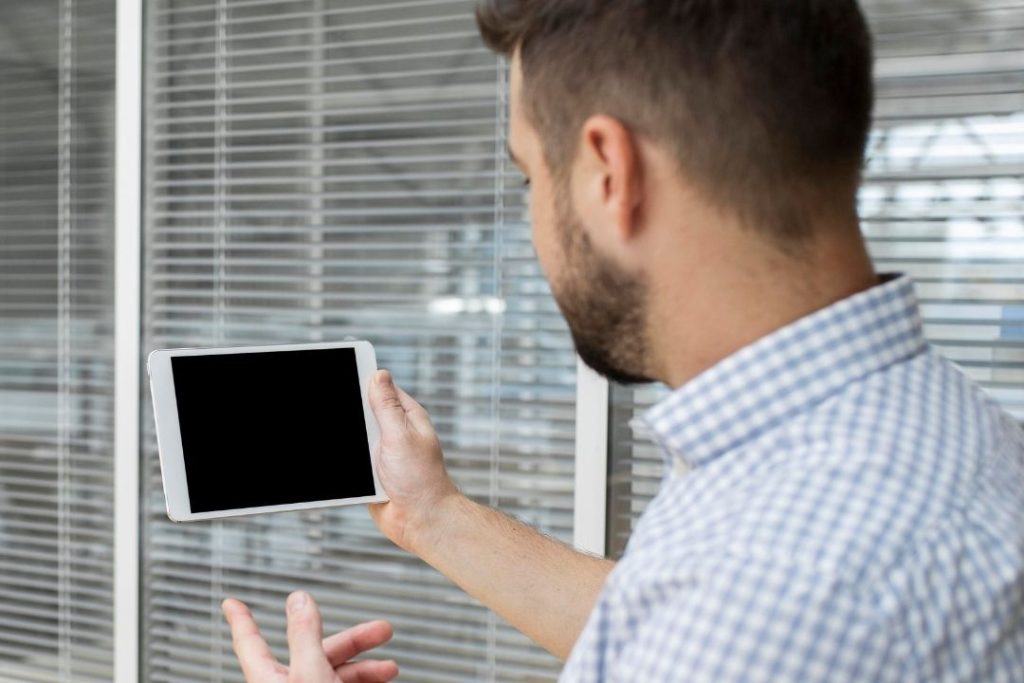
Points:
[(323, 170), (56, 333)]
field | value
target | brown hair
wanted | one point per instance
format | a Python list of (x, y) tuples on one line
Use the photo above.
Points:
[(766, 104)]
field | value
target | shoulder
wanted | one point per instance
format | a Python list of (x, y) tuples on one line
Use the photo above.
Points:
[(809, 549), (811, 552), (827, 504), (731, 617)]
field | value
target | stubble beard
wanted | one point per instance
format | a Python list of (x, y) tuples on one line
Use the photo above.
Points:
[(604, 307)]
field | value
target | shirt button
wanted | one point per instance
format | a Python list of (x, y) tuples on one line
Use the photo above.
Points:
[(679, 467)]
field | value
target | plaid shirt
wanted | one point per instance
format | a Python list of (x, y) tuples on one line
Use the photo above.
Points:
[(853, 511)]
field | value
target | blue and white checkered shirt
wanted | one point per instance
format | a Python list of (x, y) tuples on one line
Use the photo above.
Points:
[(854, 512)]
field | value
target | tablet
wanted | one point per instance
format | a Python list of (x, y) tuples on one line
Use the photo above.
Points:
[(256, 429)]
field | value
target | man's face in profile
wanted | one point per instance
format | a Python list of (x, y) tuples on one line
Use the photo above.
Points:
[(603, 306)]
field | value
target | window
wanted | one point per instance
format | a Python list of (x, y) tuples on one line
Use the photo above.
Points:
[(941, 201), (56, 311), (317, 170)]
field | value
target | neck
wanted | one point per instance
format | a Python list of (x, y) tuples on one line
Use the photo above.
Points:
[(741, 290)]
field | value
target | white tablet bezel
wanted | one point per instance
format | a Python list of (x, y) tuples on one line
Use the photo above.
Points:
[(168, 433)]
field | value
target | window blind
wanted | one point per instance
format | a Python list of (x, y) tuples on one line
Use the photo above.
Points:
[(943, 201), (318, 170), (56, 299)]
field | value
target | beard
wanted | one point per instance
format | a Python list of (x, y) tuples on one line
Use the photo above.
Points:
[(604, 306)]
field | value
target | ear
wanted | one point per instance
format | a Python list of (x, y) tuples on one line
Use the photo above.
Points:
[(608, 185)]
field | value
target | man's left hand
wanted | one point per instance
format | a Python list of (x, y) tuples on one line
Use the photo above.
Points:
[(313, 658)]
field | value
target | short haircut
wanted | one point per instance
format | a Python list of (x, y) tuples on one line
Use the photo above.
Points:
[(765, 104)]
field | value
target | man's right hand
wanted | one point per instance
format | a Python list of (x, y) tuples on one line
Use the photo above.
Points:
[(410, 466), (540, 585)]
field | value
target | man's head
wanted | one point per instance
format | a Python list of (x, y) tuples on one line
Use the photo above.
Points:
[(756, 110)]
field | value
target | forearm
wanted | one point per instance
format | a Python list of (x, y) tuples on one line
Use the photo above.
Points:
[(539, 585), (542, 587)]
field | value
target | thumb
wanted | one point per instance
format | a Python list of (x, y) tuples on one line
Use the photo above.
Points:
[(385, 402), (306, 656)]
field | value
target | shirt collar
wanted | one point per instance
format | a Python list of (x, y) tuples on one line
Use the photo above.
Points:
[(786, 372)]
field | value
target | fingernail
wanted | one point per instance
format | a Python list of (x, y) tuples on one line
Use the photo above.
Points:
[(384, 378), (296, 601)]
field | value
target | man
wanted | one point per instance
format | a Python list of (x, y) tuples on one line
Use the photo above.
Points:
[(854, 508)]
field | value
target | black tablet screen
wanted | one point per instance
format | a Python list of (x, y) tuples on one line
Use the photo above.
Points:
[(271, 428)]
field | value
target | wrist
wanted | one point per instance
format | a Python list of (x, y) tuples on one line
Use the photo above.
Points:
[(425, 534)]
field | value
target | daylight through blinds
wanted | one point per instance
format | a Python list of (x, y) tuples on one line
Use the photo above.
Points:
[(56, 338), (322, 170)]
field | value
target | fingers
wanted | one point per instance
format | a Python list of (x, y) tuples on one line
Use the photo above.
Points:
[(416, 415), (307, 660), (312, 657), (385, 402), (394, 408), (343, 646), (368, 671), (258, 664)]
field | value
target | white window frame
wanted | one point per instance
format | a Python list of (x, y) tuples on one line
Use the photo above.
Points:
[(127, 336), (590, 495)]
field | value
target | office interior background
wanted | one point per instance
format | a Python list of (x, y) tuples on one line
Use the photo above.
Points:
[(322, 169)]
